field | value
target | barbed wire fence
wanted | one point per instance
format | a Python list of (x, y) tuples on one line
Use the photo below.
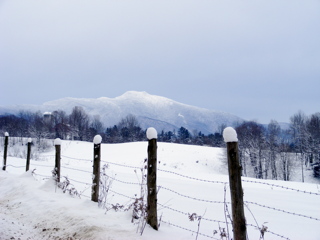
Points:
[(72, 181)]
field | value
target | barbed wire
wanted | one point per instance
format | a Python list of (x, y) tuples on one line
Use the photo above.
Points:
[(117, 180), (193, 198), (78, 159), (248, 202), (197, 179), (123, 195), (182, 195), (268, 231), (279, 186), (171, 172), (77, 169), (192, 178), (38, 165), (222, 222), (187, 214), (48, 155), (10, 165), (278, 235), (121, 165), (77, 181), (172, 209), (281, 210), (186, 229)]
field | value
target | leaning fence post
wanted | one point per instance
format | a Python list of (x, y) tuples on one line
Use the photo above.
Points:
[(238, 218), (96, 168), (28, 154), (57, 144), (152, 218), (6, 140)]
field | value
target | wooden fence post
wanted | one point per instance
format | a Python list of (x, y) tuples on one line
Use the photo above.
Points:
[(28, 154), (238, 218), (152, 217), (6, 141), (96, 168), (57, 144)]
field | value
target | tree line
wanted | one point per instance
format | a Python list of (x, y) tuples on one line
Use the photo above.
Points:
[(265, 151), (269, 152), (78, 125)]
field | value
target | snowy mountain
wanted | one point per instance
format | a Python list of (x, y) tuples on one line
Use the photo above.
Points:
[(159, 112)]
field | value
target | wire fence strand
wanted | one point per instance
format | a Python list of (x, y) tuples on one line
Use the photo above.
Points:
[(192, 178), (279, 186), (177, 193), (186, 229), (281, 210), (10, 165), (193, 198)]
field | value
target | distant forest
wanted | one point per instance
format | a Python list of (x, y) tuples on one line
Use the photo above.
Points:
[(265, 151), (80, 126)]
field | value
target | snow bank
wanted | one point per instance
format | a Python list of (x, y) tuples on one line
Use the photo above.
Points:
[(59, 216), (97, 139), (152, 133), (230, 135)]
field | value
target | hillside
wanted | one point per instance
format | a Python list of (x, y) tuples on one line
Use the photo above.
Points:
[(191, 179), (159, 112)]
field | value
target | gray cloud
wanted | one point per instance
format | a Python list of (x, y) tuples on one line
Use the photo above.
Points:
[(258, 60)]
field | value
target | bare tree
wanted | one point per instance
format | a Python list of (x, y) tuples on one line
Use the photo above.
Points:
[(61, 124), (313, 128), (130, 129), (39, 130), (79, 121), (299, 134), (97, 124), (273, 135), (96, 127), (252, 143), (285, 154)]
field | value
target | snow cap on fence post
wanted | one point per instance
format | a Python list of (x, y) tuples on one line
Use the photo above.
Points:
[(97, 139), (230, 135), (29, 140), (152, 133), (6, 134), (57, 141)]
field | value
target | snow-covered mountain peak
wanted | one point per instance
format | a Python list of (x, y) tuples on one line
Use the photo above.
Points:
[(134, 94), (151, 111), (145, 97)]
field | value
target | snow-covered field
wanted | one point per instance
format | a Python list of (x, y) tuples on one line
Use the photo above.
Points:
[(191, 179)]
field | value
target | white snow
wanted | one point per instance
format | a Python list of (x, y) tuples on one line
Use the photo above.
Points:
[(230, 135), (31, 207), (6, 134), (57, 141), (97, 139), (151, 110), (30, 140), (152, 133)]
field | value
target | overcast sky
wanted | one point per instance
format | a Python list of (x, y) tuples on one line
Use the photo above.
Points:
[(259, 60)]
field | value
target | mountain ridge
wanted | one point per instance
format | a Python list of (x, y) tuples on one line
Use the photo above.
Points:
[(150, 110)]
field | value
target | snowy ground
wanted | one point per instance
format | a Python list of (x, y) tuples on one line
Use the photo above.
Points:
[(189, 180)]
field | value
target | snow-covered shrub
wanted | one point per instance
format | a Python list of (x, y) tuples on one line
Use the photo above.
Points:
[(104, 186), (66, 186)]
